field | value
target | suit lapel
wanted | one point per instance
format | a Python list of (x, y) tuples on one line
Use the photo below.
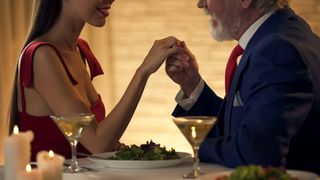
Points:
[(269, 26)]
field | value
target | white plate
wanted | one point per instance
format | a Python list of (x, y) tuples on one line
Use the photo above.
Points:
[(137, 164), (305, 175), (302, 175)]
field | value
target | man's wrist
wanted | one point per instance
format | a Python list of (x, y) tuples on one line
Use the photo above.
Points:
[(186, 102), (188, 90)]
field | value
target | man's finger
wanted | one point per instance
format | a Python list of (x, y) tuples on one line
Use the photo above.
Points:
[(173, 68), (177, 62)]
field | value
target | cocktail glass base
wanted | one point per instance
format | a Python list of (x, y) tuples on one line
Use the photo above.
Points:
[(74, 169), (194, 174)]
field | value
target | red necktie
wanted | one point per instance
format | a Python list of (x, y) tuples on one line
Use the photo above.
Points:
[(232, 66)]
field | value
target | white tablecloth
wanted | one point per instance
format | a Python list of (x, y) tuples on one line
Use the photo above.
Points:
[(171, 173), (101, 173)]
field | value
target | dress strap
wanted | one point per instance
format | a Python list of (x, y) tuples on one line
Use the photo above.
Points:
[(26, 68), (94, 66), (98, 110)]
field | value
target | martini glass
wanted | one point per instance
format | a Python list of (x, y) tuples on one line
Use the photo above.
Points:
[(195, 129), (71, 127)]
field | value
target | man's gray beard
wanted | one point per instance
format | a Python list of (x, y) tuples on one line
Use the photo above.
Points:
[(228, 27), (219, 33)]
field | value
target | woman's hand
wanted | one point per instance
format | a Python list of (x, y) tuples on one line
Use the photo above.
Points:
[(183, 69), (120, 146), (159, 52)]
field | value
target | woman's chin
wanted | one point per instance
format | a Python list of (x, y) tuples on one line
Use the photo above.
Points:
[(100, 23)]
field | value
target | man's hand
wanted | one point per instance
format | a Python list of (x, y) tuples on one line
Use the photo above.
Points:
[(182, 68), (159, 52)]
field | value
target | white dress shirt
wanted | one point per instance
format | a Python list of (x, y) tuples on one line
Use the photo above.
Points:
[(187, 102)]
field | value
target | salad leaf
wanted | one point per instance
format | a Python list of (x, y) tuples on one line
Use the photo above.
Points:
[(254, 172), (148, 151)]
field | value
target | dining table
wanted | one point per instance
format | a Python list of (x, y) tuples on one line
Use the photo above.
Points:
[(97, 171)]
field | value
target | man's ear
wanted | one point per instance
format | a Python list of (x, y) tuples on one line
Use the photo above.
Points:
[(245, 4)]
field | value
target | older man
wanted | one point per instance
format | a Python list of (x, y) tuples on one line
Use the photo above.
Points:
[(271, 112)]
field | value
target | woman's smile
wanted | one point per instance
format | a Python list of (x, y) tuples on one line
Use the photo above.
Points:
[(104, 11)]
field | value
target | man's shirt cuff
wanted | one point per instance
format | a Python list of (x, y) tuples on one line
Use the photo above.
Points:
[(187, 102)]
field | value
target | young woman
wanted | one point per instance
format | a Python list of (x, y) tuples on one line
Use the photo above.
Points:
[(52, 78)]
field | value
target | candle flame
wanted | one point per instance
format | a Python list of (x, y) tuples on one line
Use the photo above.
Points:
[(51, 154), (28, 168), (193, 132), (15, 129)]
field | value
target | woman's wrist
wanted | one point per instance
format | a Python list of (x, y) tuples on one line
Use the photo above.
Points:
[(143, 72)]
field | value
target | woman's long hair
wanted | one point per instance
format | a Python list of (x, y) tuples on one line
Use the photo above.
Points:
[(45, 16)]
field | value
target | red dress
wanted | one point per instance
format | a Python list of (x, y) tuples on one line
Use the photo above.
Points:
[(47, 135)]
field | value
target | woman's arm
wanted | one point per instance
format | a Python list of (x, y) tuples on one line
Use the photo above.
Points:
[(51, 80), (109, 131)]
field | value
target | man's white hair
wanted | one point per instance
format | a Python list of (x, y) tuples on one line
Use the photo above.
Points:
[(269, 5)]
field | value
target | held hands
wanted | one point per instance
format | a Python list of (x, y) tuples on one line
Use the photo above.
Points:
[(159, 52), (182, 68), (181, 65)]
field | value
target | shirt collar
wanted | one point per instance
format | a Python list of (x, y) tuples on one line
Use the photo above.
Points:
[(247, 35)]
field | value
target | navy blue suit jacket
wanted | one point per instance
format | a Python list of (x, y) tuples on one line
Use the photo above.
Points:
[(272, 113)]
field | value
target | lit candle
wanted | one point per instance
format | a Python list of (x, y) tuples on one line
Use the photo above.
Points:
[(50, 164), (30, 174), (17, 152)]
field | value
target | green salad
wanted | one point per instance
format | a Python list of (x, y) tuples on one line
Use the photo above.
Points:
[(148, 151), (258, 173)]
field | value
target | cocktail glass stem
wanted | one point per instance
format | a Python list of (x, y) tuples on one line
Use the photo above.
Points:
[(195, 172), (74, 166)]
